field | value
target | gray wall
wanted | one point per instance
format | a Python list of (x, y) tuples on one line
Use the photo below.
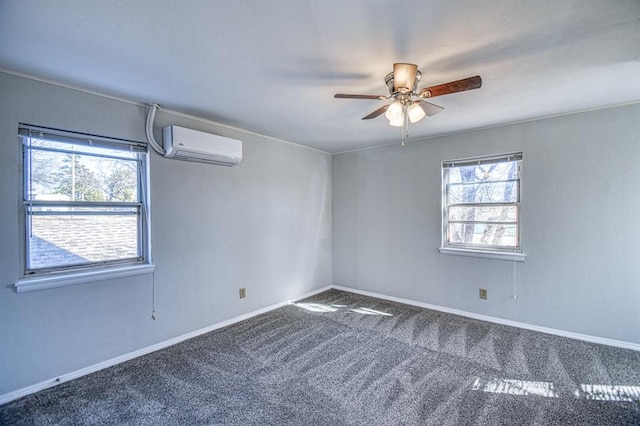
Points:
[(580, 224), (264, 225), (267, 225)]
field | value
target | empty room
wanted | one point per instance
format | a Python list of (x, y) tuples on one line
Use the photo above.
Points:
[(319, 212)]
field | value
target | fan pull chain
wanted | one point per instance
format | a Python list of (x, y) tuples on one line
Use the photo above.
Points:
[(405, 125)]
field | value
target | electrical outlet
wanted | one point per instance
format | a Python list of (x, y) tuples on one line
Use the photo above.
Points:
[(483, 293), (243, 293)]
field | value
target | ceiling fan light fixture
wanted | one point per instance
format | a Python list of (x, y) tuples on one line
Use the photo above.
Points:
[(404, 77), (394, 112), (397, 122), (415, 112)]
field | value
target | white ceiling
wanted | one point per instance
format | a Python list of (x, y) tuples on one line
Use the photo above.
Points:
[(272, 67)]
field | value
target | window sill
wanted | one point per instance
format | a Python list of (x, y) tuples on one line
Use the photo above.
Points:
[(42, 283), (514, 257)]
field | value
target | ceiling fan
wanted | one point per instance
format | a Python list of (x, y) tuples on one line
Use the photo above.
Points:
[(402, 84)]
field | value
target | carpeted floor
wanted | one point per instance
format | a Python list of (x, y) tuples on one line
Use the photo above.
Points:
[(342, 359)]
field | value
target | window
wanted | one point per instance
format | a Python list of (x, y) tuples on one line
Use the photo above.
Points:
[(84, 202), (481, 206)]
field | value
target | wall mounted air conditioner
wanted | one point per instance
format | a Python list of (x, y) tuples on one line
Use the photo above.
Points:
[(191, 145)]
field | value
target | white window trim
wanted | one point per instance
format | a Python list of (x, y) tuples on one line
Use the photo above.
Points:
[(487, 254), (480, 252), (63, 280)]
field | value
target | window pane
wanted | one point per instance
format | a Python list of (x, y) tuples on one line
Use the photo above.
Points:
[(506, 170), (65, 240), (61, 176), (483, 234), (484, 213), (483, 192)]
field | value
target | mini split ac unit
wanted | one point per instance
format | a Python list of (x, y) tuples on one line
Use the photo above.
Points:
[(191, 145)]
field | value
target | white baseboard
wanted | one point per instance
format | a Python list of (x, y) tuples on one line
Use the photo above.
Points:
[(8, 397), (11, 396), (562, 333)]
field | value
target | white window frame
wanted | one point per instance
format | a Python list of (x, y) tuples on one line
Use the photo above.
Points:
[(477, 250), (63, 275)]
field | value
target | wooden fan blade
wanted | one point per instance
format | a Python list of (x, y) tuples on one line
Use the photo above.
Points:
[(343, 96), (430, 109), (452, 87), (376, 113)]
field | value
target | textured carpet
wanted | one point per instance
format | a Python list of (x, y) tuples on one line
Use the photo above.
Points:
[(342, 359)]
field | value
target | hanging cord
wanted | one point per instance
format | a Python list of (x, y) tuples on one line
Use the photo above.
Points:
[(149, 129), (515, 281), (153, 297), (147, 223), (405, 125)]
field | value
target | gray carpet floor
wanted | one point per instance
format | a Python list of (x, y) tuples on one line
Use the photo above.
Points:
[(343, 359)]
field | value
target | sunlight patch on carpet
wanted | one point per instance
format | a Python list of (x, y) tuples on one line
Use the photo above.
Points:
[(319, 307), (515, 387), (367, 311), (609, 393)]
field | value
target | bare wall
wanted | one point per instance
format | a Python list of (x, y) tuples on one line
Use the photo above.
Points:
[(264, 225), (580, 226)]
